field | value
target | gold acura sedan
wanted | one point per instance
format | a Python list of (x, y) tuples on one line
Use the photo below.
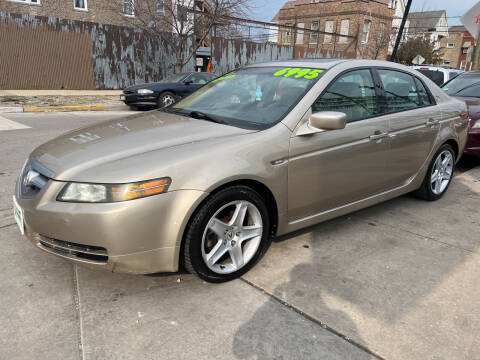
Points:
[(259, 152)]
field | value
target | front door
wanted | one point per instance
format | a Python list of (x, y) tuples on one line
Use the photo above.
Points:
[(333, 168)]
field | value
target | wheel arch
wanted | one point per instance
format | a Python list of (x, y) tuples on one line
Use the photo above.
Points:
[(454, 144), (258, 186)]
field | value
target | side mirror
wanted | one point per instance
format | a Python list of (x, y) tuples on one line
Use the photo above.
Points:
[(323, 121), (188, 82)]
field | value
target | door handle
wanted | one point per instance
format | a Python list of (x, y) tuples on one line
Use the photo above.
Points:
[(432, 122), (378, 136)]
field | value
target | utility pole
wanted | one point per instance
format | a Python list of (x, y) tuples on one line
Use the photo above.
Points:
[(400, 31)]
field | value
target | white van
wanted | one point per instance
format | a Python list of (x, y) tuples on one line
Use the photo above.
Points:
[(438, 74)]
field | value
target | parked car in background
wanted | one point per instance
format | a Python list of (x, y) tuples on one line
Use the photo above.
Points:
[(467, 87), (265, 150), (438, 74), (166, 91)]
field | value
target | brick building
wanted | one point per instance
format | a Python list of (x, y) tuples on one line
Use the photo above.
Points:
[(362, 27), (456, 49), (97, 11)]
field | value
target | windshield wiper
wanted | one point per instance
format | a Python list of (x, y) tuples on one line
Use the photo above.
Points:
[(203, 116)]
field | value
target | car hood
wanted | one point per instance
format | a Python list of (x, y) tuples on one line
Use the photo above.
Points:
[(150, 86), (89, 147)]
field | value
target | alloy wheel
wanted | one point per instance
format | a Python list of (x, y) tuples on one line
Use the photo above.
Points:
[(167, 100), (232, 237), (442, 172)]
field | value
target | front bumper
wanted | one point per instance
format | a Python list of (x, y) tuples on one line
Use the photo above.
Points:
[(140, 236), (139, 100), (473, 143)]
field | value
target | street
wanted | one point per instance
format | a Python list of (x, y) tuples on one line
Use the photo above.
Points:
[(399, 280)]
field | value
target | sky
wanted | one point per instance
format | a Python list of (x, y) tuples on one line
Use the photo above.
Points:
[(265, 10)]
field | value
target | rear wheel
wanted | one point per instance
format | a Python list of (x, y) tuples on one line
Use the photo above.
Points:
[(165, 99), (439, 174), (227, 235)]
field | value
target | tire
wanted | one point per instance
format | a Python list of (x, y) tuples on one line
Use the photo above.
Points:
[(215, 236), (165, 99), (433, 190)]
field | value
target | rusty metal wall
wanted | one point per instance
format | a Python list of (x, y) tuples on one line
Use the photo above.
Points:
[(49, 53), (117, 57), (42, 59)]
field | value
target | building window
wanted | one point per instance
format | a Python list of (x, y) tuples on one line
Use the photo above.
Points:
[(381, 34), (288, 34), (450, 45), (34, 2), (161, 6), (344, 30), (463, 65), (80, 4), (299, 39), (314, 33), (128, 9), (366, 31), (327, 39)]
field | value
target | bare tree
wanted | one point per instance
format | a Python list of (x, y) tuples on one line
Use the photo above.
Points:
[(181, 26)]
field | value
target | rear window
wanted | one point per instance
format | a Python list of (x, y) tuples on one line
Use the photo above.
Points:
[(436, 76)]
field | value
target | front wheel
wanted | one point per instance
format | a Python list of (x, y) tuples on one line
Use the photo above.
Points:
[(166, 99), (227, 235), (439, 174)]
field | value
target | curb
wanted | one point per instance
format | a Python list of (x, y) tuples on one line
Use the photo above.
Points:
[(11, 109), (15, 109), (65, 108)]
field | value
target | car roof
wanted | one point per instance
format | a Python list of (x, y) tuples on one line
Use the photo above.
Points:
[(329, 63)]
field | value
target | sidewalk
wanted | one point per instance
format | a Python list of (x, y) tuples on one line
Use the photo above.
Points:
[(60, 100)]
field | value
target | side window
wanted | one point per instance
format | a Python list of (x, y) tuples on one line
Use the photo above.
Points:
[(352, 93), (422, 92), (400, 91)]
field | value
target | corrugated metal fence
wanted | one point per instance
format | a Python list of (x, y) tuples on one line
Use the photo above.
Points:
[(50, 53)]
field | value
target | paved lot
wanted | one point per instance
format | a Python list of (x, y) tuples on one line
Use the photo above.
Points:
[(399, 280)]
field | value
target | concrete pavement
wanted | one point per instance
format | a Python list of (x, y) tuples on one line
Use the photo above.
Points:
[(397, 281)]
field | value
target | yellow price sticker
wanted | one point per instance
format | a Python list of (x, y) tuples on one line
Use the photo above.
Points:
[(298, 73)]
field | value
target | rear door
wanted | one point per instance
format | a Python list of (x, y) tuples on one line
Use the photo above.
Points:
[(414, 123)]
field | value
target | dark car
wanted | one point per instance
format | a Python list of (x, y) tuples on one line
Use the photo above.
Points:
[(467, 87), (166, 91)]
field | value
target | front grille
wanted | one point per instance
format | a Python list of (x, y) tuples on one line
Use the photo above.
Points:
[(81, 252), (33, 178)]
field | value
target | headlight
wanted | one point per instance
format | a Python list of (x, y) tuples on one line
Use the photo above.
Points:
[(476, 125), (145, 91), (105, 193)]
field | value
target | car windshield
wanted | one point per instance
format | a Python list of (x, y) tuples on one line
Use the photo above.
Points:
[(436, 76), (252, 98), (463, 85), (174, 78)]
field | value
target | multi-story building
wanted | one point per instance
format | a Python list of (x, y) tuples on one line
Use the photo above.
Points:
[(429, 24), (358, 27), (399, 7), (114, 12), (456, 49)]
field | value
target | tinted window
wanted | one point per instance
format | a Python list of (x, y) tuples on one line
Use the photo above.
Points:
[(199, 78), (422, 92), (471, 91), (436, 76), (352, 93), (461, 84), (400, 91)]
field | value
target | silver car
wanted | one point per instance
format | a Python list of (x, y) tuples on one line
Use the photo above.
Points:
[(262, 151)]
